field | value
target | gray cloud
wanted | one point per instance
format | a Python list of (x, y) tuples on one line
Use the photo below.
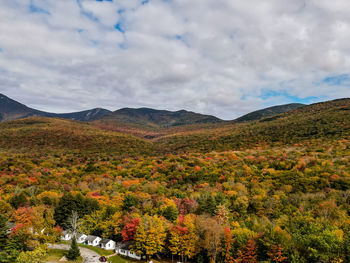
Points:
[(221, 57)]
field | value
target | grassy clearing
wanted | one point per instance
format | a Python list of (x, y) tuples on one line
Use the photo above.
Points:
[(118, 259), (98, 250), (54, 255)]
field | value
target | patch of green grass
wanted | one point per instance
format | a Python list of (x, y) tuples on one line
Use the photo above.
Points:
[(118, 259), (54, 255), (98, 250)]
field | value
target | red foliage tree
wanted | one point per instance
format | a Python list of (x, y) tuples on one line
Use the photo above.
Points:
[(228, 240), (130, 228), (248, 253), (276, 254)]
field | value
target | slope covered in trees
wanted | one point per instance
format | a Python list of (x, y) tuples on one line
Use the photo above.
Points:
[(46, 135), (273, 190), (259, 114), (321, 121), (283, 203)]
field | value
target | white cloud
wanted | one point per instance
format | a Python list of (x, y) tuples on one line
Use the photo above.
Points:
[(213, 56)]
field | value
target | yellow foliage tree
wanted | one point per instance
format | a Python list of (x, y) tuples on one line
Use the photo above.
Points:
[(150, 236)]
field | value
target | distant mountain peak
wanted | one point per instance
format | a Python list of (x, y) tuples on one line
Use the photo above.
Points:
[(11, 110), (159, 118), (270, 111)]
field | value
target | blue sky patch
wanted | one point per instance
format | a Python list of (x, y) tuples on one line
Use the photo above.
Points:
[(121, 10), (1, 50), (119, 27), (288, 98), (36, 9), (337, 80), (86, 13), (123, 46), (145, 2)]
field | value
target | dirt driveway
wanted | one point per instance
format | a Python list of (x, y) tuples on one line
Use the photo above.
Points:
[(88, 255)]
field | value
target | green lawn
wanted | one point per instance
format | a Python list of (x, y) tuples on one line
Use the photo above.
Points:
[(54, 255), (98, 250), (118, 259)]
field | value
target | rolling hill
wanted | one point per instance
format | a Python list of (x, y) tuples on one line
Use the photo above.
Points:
[(270, 111), (41, 134), (325, 121)]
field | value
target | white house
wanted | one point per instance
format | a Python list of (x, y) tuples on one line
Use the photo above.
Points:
[(134, 255), (107, 244), (92, 241), (123, 249), (81, 238), (66, 236)]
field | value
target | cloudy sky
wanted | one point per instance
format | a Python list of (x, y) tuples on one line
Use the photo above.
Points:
[(221, 57)]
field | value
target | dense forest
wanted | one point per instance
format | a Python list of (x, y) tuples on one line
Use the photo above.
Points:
[(272, 190)]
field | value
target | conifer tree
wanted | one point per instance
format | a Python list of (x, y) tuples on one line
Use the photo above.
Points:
[(4, 231), (73, 252)]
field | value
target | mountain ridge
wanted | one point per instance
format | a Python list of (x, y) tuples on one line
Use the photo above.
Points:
[(12, 110), (269, 111), (320, 121), (143, 118), (159, 118)]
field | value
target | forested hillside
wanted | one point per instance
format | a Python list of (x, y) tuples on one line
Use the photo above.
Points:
[(259, 114), (327, 120), (283, 203), (47, 135), (272, 190)]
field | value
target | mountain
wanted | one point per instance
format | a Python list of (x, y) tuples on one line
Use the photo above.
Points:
[(12, 110), (143, 118), (320, 121), (259, 114), (152, 118), (316, 122), (87, 115)]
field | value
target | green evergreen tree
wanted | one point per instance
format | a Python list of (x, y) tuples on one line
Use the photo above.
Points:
[(4, 231), (69, 203), (170, 213), (18, 200), (130, 201), (346, 244), (73, 252)]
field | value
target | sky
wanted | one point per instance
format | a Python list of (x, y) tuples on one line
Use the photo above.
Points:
[(219, 57)]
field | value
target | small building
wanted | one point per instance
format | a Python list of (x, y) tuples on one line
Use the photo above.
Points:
[(66, 236), (81, 238), (107, 244), (92, 241), (124, 250)]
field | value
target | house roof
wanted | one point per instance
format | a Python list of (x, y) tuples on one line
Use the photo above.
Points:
[(105, 241), (65, 232), (125, 245), (81, 235), (91, 238)]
